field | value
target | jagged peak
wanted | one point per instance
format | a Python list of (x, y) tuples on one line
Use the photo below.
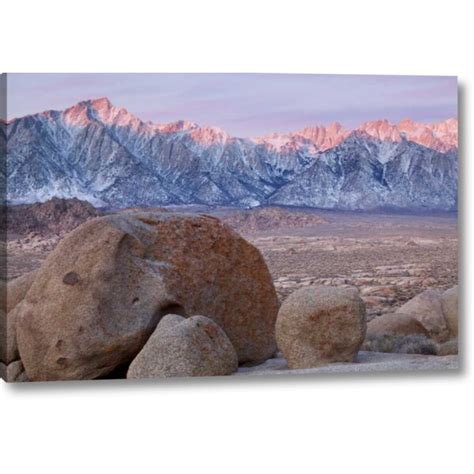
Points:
[(358, 135), (442, 136), (100, 109), (101, 103), (177, 126), (314, 138), (207, 136)]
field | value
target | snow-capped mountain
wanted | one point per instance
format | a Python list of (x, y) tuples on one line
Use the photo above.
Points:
[(104, 154), (366, 173)]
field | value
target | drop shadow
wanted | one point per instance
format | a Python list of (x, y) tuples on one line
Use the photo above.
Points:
[(461, 229)]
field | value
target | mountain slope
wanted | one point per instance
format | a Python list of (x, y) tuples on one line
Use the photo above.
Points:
[(367, 173), (103, 154)]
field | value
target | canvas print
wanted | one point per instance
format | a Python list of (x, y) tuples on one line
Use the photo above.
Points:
[(183, 225)]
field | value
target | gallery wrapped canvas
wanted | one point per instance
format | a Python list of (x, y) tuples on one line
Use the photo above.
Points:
[(181, 225)]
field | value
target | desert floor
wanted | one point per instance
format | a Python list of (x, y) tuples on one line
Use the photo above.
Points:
[(390, 258)]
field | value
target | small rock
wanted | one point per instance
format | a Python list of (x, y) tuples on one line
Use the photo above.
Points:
[(16, 372), (319, 325), (426, 308), (395, 323), (449, 302), (181, 347)]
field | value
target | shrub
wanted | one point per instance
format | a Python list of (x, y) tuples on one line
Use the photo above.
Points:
[(411, 344)]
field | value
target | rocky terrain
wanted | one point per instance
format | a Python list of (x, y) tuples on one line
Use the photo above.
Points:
[(390, 258), (103, 154), (378, 283), (34, 230), (269, 219), (54, 217)]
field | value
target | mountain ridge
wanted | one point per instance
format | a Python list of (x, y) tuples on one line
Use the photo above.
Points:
[(102, 153), (444, 133)]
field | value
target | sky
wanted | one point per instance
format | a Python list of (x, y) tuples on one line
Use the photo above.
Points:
[(244, 105)]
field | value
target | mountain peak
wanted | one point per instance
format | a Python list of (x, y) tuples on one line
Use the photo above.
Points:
[(101, 110), (323, 137), (101, 103), (178, 126), (441, 136)]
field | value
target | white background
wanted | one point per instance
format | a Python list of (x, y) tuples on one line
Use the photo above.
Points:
[(382, 424)]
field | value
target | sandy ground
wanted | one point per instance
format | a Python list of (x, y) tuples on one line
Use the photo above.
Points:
[(366, 362)]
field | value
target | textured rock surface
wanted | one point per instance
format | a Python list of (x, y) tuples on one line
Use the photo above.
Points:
[(395, 323), (13, 372), (17, 288), (100, 294), (426, 308), (181, 347), (319, 325), (16, 291), (16, 372), (449, 302)]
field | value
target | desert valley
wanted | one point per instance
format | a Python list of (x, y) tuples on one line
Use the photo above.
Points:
[(322, 250), (389, 258)]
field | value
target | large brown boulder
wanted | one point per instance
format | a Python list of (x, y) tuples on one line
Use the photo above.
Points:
[(426, 308), (318, 325), (181, 347), (15, 292), (449, 303), (396, 324), (100, 294)]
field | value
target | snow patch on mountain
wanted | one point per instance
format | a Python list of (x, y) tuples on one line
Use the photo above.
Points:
[(101, 153)]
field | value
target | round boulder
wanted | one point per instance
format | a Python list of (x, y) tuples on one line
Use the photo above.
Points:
[(100, 294), (395, 324), (449, 303), (426, 308), (181, 347), (318, 325)]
